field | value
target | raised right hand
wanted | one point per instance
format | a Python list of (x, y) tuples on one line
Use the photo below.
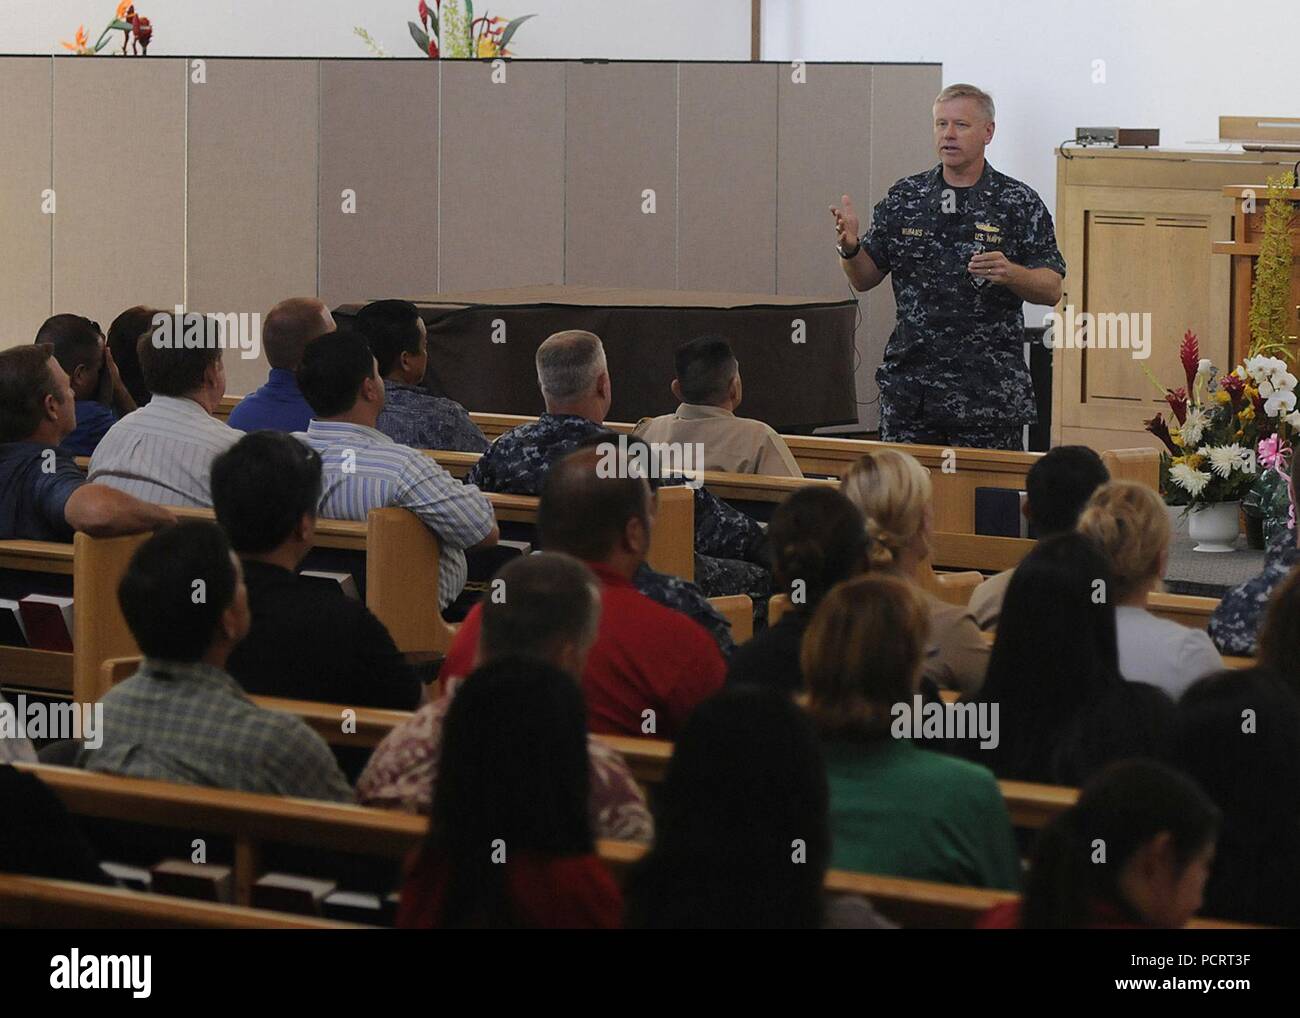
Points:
[(846, 222)]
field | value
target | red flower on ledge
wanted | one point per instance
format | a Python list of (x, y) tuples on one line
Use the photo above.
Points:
[(1177, 400), (1189, 352), (1160, 429)]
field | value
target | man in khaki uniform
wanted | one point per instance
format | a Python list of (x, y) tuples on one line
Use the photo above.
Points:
[(708, 386)]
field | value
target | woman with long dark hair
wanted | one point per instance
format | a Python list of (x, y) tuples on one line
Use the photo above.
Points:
[(1064, 709), (1135, 851), (1238, 735), (510, 842), (817, 538), (742, 839)]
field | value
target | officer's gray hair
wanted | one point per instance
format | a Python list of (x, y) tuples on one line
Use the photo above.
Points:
[(568, 364), (964, 91)]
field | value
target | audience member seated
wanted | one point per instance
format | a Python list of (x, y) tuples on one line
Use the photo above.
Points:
[(37, 836), (708, 388), (364, 469), (1158, 830), (308, 640), (549, 611), (896, 808), (43, 494), (286, 331), (1238, 735), (163, 452), (1235, 623), (1130, 525), (1057, 487), (181, 717), (124, 344), (411, 415), (730, 547), (650, 665), (743, 834), (818, 538), (894, 493), (1064, 709), (80, 349), (510, 842), (671, 591), (12, 748), (1279, 638)]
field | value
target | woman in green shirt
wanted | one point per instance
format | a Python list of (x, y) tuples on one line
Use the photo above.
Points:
[(896, 808)]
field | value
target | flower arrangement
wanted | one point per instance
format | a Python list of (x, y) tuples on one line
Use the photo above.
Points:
[(136, 31), (1223, 429), (448, 29)]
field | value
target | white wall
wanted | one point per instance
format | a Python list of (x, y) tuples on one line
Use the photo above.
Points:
[(613, 29), (1172, 64)]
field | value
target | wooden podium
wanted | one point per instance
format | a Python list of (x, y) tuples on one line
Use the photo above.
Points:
[(1247, 232)]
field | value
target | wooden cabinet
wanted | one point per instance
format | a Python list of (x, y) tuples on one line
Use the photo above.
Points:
[(1137, 228)]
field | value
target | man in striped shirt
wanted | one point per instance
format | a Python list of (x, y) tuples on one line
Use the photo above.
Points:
[(163, 452), (364, 469)]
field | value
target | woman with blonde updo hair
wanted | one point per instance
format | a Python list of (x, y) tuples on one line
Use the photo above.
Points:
[(897, 807), (894, 493), (1130, 526)]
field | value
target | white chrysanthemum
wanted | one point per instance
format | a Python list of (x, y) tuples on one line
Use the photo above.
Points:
[(1194, 427), (1191, 481), (1224, 459), (1280, 402)]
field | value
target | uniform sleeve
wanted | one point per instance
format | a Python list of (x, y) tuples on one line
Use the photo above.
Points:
[(963, 654), (876, 240), (54, 488), (724, 532), (467, 436), (776, 459), (1235, 621), (1040, 250), (458, 513)]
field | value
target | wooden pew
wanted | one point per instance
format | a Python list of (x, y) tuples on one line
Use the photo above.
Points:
[(38, 903), (252, 820), (401, 582)]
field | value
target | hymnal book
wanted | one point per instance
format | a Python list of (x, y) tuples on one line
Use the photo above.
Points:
[(12, 631), (346, 582), (47, 620)]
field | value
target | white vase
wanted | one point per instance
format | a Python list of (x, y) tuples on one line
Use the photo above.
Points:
[(1214, 526)]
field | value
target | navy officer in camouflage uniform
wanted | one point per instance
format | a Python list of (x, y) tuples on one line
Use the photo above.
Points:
[(966, 247), (731, 548), (1234, 626)]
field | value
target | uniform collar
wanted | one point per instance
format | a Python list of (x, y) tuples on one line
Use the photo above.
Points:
[(980, 188), (701, 412)]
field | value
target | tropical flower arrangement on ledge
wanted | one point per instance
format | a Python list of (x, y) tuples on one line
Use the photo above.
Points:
[(136, 31), (448, 28)]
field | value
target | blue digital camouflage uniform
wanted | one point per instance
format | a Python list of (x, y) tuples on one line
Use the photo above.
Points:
[(687, 598), (730, 547), (414, 417), (954, 369), (1235, 624)]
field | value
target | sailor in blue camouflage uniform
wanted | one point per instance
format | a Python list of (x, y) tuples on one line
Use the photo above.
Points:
[(1234, 626), (412, 416), (965, 246)]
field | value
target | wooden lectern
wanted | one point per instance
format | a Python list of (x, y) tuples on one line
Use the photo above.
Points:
[(1247, 232)]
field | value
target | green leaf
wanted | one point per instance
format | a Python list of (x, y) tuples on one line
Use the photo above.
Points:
[(510, 28), (418, 34)]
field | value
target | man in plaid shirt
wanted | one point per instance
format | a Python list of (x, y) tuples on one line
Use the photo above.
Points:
[(181, 717)]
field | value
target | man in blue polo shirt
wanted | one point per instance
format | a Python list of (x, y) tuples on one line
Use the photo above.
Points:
[(101, 397), (43, 495), (278, 405)]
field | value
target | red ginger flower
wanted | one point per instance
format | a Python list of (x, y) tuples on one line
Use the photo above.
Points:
[(1177, 400), (1160, 429), (1189, 352)]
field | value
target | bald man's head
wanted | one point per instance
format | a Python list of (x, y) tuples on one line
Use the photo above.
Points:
[(290, 326), (587, 515)]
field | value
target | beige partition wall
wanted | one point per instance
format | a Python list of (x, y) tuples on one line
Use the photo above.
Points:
[(621, 162), (119, 171), (502, 167), (727, 178), (230, 184), (26, 172), (378, 179), (252, 191), (902, 115)]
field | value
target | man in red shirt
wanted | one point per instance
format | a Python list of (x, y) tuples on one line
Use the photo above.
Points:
[(650, 665)]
